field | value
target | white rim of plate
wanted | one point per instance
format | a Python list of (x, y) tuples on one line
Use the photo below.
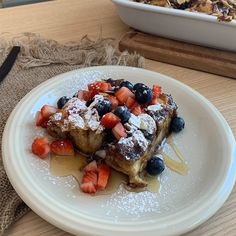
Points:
[(177, 223)]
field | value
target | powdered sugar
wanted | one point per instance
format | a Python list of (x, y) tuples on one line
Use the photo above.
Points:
[(76, 121), (75, 105)]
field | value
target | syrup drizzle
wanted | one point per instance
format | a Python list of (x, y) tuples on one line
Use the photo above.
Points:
[(72, 166)]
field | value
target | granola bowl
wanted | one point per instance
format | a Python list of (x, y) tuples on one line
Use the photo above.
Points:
[(193, 27)]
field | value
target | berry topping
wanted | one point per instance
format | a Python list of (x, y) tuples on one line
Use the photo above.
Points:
[(86, 95), (88, 187), (143, 94), (114, 101), (41, 147), (119, 131), (103, 176), (130, 102), (90, 176), (136, 110), (99, 86), (109, 120), (40, 120), (122, 94), (123, 113), (92, 166), (62, 147), (47, 111), (177, 124), (62, 101), (155, 166), (103, 107), (138, 85), (127, 84)]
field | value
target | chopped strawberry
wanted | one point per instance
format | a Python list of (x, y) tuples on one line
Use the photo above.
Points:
[(90, 176), (119, 131), (41, 147), (47, 111), (103, 176), (114, 101), (63, 147), (86, 95), (136, 110), (156, 90), (92, 166), (40, 120), (130, 102), (123, 93), (154, 101), (109, 120), (99, 86), (88, 187)]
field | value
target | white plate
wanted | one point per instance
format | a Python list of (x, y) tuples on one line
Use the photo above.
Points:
[(177, 24), (183, 202)]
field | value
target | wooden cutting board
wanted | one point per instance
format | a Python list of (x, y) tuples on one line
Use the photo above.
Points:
[(179, 53)]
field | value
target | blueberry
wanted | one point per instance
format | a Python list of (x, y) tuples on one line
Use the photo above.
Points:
[(62, 101), (127, 84), (143, 95), (177, 124), (123, 113), (155, 166), (103, 107), (138, 85)]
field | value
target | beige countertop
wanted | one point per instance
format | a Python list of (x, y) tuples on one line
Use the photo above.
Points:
[(64, 21)]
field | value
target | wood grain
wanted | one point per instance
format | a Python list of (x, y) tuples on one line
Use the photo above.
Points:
[(182, 54), (65, 20)]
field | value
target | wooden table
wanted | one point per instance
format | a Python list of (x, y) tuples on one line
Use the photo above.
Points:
[(65, 20)]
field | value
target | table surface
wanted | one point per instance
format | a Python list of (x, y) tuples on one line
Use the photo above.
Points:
[(64, 21)]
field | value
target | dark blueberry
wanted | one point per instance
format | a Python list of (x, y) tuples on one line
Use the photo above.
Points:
[(127, 84), (123, 113), (138, 85), (155, 166), (62, 101), (177, 124), (143, 95), (103, 107)]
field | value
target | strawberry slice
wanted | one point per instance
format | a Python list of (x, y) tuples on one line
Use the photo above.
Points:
[(99, 86), (109, 120), (63, 147), (123, 93), (91, 167), (156, 91), (154, 100), (114, 101), (136, 110), (41, 147), (88, 187), (40, 120), (119, 131), (47, 111), (130, 102), (90, 176), (103, 176)]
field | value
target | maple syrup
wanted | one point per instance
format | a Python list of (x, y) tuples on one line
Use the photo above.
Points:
[(73, 165)]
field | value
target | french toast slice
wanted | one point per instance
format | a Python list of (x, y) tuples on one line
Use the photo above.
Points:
[(128, 158)]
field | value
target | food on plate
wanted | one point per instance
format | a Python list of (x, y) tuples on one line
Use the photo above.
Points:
[(116, 125), (225, 10)]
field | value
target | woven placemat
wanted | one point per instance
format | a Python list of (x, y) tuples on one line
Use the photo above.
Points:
[(39, 60)]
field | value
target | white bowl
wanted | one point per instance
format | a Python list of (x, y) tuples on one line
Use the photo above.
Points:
[(183, 202), (197, 28)]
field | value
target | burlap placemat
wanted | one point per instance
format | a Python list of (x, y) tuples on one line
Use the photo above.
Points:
[(39, 60)]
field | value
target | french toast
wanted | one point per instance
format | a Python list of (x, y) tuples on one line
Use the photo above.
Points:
[(120, 124)]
